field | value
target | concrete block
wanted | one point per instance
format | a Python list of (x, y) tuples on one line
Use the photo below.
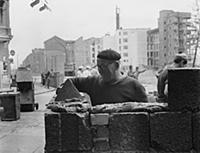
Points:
[(52, 132), (129, 131), (101, 144), (99, 119), (196, 131), (183, 88), (85, 134), (75, 132), (171, 131), (100, 131)]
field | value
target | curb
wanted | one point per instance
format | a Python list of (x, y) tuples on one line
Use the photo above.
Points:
[(42, 92)]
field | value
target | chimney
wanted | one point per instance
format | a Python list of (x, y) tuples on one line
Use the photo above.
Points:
[(117, 18)]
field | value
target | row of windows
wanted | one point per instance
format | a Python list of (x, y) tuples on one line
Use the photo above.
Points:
[(124, 47), (152, 54), (124, 33), (125, 40), (153, 46)]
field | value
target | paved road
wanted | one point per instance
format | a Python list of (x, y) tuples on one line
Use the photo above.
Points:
[(26, 135)]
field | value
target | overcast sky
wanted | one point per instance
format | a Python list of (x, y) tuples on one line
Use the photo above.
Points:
[(70, 19)]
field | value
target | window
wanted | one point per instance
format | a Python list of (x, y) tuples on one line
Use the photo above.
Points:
[(93, 55), (120, 48), (125, 33), (119, 41), (125, 54), (120, 33), (125, 47), (125, 40)]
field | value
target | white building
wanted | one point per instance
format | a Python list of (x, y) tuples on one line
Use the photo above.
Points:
[(132, 44)]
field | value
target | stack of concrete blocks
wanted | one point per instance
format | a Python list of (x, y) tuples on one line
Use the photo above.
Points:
[(177, 130)]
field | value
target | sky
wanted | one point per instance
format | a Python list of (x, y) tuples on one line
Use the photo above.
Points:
[(71, 19)]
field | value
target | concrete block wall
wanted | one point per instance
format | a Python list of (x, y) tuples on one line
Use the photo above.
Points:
[(176, 130), (139, 132)]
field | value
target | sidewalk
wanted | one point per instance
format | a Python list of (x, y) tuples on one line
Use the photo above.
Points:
[(38, 87)]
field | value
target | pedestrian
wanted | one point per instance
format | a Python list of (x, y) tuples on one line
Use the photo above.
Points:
[(110, 86), (79, 72), (137, 72), (43, 78), (48, 78), (180, 61), (87, 71), (94, 71), (131, 72)]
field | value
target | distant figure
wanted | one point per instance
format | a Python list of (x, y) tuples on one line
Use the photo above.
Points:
[(94, 71), (136, 73), (79, 72), (87, 71), (131, 72), (180, 61), (48, 78), (43, 79)]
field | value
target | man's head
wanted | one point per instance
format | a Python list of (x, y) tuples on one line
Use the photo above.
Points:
[(136, 68), (180, 60), (108, 64)]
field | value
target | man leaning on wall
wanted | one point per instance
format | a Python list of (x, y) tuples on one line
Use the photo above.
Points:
[(180, 61), (110, 86)]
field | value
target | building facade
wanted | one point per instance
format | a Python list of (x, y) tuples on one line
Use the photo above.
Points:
[(132, 44), (153, 48), (173, 32), (36, 61)]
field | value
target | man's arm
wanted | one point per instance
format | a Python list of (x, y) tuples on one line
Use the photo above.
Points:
[(162, 78), (140, 93)]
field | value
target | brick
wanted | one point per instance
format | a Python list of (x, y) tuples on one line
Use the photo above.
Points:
[(100, 131), (76, 134), (171, 131), (52, 132), (183, 88), (196, 131), (129, 131), (99, 119)]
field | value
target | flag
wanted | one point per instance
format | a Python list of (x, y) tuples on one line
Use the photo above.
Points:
[(44, 7), (35, 3)]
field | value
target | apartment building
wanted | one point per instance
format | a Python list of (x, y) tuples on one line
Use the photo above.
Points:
[(173, 34), (132, 44), (153, 48)]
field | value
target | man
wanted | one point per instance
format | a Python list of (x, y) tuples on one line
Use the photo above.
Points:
[(131, 72), (79, 73), (110, 86), (180, 61), (136, 73)]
